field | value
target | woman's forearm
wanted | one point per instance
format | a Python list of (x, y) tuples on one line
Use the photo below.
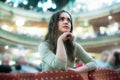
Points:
[(61, 52)]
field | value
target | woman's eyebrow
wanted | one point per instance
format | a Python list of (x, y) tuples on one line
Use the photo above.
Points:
[(64, 17)]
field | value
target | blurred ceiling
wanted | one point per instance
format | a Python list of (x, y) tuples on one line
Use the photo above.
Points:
[(38, 5), (75, 6)]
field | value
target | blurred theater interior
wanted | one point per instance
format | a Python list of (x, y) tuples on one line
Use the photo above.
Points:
[(23, 25)]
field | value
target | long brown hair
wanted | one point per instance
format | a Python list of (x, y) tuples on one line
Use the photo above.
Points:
[(52, 35)]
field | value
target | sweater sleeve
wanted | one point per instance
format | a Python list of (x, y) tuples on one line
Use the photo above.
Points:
[(85, 57), (49, 58)]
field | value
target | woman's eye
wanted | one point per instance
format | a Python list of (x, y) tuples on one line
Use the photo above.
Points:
[(68, 19), (62, 19)]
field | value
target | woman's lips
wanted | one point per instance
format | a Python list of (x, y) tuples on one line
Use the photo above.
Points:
[(66, 26)]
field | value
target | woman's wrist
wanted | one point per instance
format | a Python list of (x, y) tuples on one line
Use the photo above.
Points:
[(60, 40)]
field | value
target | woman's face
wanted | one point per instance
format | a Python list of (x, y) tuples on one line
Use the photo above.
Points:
[(64, 23)]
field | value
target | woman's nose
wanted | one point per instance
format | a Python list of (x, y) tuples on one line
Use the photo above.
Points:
[(66, 21)]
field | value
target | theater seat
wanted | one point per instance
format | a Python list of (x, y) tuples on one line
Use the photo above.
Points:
[(8, 76), (98, 74), (58, 75), (103, 74), (25, 76)]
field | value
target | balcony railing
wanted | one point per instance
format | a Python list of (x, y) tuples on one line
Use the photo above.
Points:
[(14, 39)]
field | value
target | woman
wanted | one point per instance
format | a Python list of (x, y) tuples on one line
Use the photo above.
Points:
[(58, 51)]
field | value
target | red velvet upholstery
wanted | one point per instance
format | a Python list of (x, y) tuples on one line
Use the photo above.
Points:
[(7, 76), (84, 76), (103, 74), (58, 75), (25, 76), (98, 74)]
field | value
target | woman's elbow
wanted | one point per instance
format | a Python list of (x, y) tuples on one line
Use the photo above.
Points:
[(91, 65)]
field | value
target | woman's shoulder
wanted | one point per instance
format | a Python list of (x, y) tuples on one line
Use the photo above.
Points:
[(76, 44), (78, 47), (44, 43)]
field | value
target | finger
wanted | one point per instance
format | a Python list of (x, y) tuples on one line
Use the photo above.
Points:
[(70, 36)]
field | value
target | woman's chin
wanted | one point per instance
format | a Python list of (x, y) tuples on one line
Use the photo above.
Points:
[(66, 31)]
